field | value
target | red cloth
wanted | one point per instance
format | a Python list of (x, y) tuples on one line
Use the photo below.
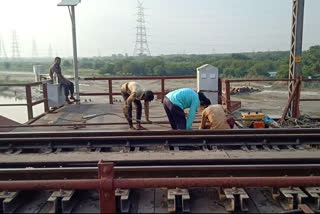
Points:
[(231, 122)]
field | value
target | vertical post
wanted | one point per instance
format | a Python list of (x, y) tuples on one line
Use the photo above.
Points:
[(110, 91), (107, 190), (163, 92), (45, 97), (228, 98), (295, 53), (219, 91), (296, 101), (29, 102), (75, 54)]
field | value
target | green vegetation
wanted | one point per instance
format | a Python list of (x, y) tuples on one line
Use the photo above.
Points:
[(244, 65)]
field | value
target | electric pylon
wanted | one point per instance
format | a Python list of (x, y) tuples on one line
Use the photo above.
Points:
[(34, 49), (3, 49), (15, 45), (141, 47)]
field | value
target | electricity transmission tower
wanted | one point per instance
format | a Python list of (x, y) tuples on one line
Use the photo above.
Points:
[(2, 49), (34, 49), (15, 45), (141, 47)]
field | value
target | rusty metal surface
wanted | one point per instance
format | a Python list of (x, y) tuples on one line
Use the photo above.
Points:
[(143, 183), (162, 171), (142, 78), (89, 133)]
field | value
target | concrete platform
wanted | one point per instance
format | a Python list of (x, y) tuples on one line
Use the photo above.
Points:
[(74, 113)]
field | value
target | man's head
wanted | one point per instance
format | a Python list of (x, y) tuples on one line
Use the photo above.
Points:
[(148, 96), (204, 101), (57, 60)]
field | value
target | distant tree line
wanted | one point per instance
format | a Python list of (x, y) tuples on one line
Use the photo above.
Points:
[(231, 65)]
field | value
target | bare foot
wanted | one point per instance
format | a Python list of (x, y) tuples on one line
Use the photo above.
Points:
[(72, 98), (139, 127), (132, 128)]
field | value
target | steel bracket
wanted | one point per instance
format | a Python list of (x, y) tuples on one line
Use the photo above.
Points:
[(63, 201), (10, 201), (294, 196), (265, 147), (214, 148), (254, 148), (123, 200), (275, 147), (245, 148), (237, 197), (314, 192), (137, 149), (275, 191), (10, 149), (48, 149), (178, 200)]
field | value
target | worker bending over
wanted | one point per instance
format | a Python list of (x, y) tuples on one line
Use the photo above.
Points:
[(217, 118), (133, 92), (176, 101)]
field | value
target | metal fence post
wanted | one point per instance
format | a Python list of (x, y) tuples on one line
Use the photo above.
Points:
[(29, 102), (162, 89), (110, 91), (45, 97), (228, 99), (220, 91), (296, 100), (107, 190)]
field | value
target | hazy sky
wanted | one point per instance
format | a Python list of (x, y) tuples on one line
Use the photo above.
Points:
[(105, 27)]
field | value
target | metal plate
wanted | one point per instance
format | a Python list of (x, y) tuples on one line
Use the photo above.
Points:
[(69, 2)]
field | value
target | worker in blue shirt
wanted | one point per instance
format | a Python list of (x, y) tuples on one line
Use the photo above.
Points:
[(176, 101)]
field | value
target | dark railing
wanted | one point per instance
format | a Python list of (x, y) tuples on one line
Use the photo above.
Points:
[(111, 93), (234, 105), (107, 183), (29, 102)]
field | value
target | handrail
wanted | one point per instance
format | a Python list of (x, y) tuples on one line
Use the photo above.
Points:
[(232, 106), (110, 79), (29, 103)]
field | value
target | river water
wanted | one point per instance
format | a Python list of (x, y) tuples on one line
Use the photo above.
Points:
[(18, 113)]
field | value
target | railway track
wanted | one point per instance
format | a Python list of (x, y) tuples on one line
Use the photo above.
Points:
[(208, 185), (151, 140), (36, 189)]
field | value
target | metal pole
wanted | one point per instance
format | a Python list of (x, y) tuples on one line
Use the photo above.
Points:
[(295, 54), (75, 54), (29, 102)]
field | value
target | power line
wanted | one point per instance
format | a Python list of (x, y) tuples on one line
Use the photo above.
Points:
[(141, 47)]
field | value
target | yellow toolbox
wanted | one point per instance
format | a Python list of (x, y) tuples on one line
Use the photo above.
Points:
[(252, 116)]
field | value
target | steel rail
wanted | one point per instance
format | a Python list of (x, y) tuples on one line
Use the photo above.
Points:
[(88, 133), (155, 163), (162, 171), (161, 140), (143, 183), (162, 168)]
